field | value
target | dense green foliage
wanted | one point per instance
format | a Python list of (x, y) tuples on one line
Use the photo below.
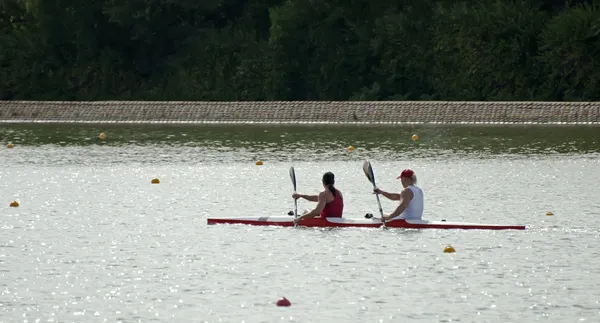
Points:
[(299, 50)]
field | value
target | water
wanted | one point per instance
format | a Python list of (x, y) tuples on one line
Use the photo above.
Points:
[(94, 241)]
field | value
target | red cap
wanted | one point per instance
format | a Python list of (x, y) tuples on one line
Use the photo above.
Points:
[(406, 173)]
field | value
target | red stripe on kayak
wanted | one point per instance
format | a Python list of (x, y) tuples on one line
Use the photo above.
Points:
[(322, 223)]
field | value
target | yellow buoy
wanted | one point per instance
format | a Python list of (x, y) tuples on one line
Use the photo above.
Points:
[(549, 213), (449, 249), (350, 148), (9, 145), (14, 204), (415, 137), (259, 162), (102, 135), (155, 181)]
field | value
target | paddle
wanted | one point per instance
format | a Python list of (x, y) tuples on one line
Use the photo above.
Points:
[(293, 177), (371, 176)]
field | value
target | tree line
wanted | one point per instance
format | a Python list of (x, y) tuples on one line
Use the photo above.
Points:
[(253, 50)]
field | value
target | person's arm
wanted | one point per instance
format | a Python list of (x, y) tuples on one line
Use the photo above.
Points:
[(391, 196), (321, 202), (405, 196), (312, 198)]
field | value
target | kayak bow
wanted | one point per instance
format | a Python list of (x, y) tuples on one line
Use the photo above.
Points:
[(287, 221)]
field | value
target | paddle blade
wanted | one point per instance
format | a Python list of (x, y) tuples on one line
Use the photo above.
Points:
[(369, 171), (293, 177)]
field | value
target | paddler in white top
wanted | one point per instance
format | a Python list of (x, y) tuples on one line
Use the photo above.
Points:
[(411, 199)]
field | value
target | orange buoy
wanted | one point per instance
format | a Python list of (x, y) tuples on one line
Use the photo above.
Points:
[(9, 145), (14, 204), (259, 162), (155, 181), (449, 249)]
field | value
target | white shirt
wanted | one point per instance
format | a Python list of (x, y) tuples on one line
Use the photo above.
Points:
[(414, 211)]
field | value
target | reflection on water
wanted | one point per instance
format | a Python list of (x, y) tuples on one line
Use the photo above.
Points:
[(324, 142)]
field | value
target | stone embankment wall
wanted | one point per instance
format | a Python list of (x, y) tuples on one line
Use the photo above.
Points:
[(301, 112)]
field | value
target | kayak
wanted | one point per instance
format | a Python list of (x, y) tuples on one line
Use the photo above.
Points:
[(288, 221)]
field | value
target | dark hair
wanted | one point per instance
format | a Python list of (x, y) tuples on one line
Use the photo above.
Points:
[(329, 179)]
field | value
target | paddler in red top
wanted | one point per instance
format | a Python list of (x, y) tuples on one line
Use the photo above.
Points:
[(330, 202)]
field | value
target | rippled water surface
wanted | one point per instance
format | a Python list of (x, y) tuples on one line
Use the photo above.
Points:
[(94, 241)]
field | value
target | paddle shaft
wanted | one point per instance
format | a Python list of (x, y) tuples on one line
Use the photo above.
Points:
[(368, 169), (293, 178), (295, 207), (378, 201)]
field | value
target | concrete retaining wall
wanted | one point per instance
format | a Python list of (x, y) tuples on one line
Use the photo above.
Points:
[(302, 112)]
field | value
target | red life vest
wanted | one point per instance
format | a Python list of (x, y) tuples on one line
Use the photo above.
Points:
[(335, 208)]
